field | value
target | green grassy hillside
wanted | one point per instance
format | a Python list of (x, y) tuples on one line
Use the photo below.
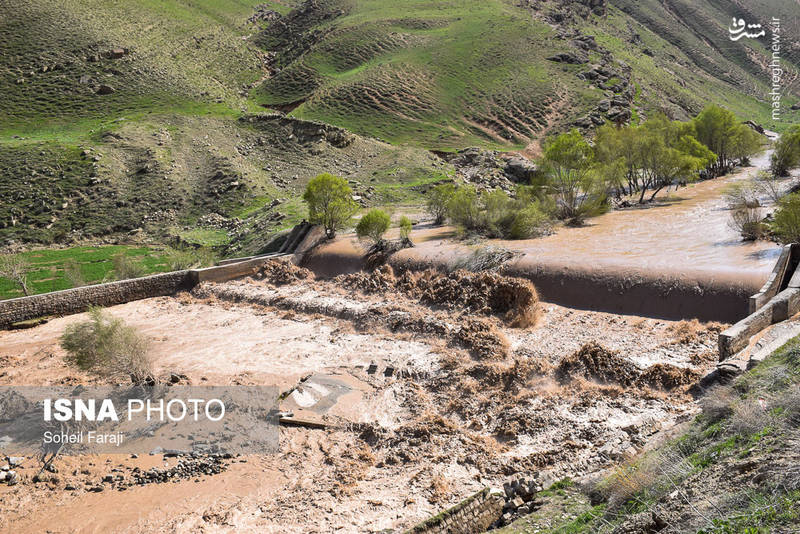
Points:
[(450, 74), (118, 115)]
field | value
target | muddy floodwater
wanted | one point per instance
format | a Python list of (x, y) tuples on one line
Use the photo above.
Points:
[(677, 258)]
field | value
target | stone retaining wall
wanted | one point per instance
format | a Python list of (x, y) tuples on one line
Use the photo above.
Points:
[(473, 515), (79, 299)]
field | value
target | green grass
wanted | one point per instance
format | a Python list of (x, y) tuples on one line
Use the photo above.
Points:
[(95, 263), (205, 237), (436, 70)]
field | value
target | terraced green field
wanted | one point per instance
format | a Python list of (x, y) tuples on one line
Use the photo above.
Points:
[(94, 263), (451, 74)]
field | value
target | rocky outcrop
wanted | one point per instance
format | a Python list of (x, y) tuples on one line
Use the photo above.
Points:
[(488, 170), (302, 131)]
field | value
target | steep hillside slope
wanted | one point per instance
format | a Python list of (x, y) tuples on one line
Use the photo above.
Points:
[(115, 110), (450, 74)]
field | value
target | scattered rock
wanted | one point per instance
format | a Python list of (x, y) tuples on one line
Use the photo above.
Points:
[(104, 90), (568, 57)]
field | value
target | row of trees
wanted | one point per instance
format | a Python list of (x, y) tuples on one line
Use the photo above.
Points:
[(575, 178), (660, 152)]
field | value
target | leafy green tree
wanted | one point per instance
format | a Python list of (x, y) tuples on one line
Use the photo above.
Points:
[(787, 152), (569, 163), (330, 202), (463, 208), (786, 223), (669, 155), (438, 199), (718, 129), (373, 225), (405, 228)]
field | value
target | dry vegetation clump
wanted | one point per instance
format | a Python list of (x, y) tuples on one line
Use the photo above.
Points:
[(107, 346), (596, 363), (748, 417), (639, 477), (482, 339), (351, 464), (515, 299), (716, 405), (283, 272), (693, 331), (440, 489), (790, 403), (666, 376)]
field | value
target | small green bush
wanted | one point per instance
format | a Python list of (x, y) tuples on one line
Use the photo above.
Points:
[(438, 199), (464, 209), (373, 225), (530, 222), (405, 227), (108, 347), (786, 224)]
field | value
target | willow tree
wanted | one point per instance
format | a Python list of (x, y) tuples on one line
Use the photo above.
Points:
[(570, 168), (718, 129)]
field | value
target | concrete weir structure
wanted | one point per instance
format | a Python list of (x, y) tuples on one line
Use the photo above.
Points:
[(778, 300)]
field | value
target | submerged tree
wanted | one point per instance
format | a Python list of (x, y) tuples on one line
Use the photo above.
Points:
[(718, 129), (787, 152), (569, 165)]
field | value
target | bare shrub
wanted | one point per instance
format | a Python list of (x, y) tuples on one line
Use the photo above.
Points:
[(487, 258), (748, 222), (644, 478), (73, 274), (790, 402), (692, 331), (15, 268), (746, 216), (748, 418), (126, 267), (190, 258), (717, 404), (770, 185), (108, 347)]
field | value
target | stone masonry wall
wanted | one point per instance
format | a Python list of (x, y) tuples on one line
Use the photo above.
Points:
[(80, 298), (473, 515)]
